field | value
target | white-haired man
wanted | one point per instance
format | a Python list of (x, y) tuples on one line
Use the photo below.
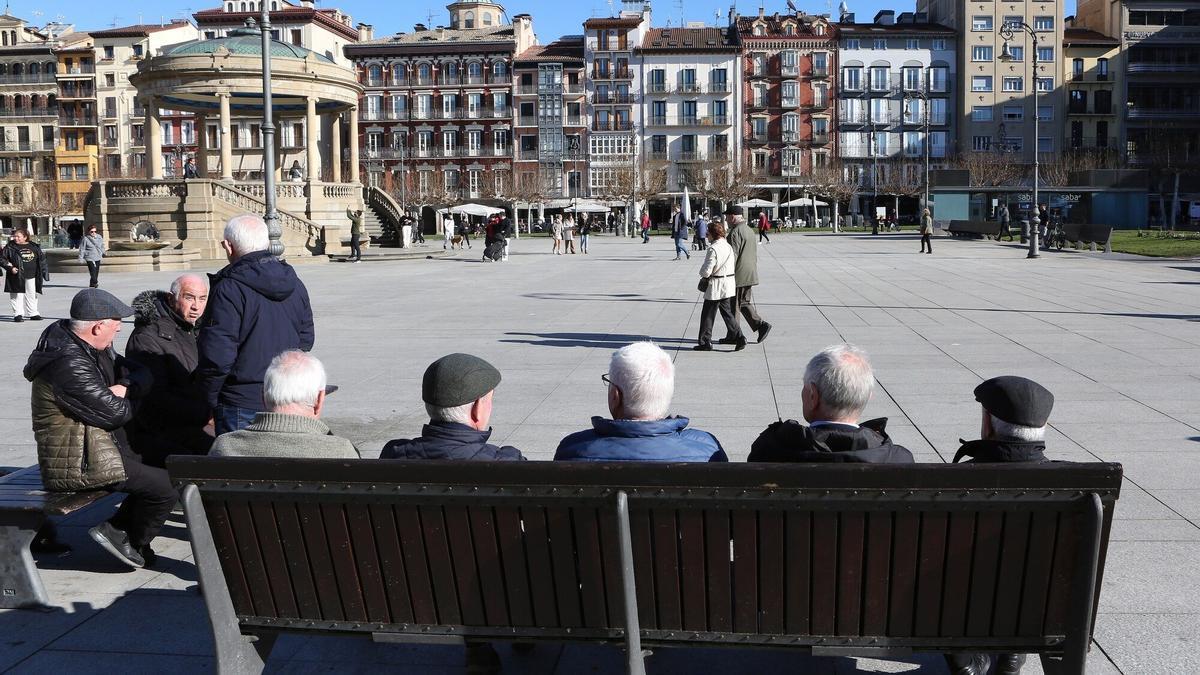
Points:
[(294, 393), (172, 419), (641, 383), (838, 382), (257, 308)]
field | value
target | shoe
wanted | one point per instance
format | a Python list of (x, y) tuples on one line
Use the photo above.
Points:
[(18, 318), (727, 340), (702, 348), (929, 252), (117, 543), (740, 345), (677, 257), (36, 317), (1009, 664), (763, 332), (148, 555), (968, 664), (46, 542)]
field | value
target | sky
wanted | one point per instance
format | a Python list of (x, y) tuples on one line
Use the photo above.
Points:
[(550, 20)]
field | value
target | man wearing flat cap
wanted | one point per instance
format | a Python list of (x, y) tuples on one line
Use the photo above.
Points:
[(82, 398), (457, 390)]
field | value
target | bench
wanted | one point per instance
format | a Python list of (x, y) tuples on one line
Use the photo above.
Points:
[(1078, 234), (24, 506), (832, 559), (974, 228)]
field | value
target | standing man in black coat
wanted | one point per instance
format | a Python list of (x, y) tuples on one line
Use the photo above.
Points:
[(172, 419)]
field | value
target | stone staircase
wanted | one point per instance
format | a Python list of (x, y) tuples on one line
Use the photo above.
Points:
[(372, 225)]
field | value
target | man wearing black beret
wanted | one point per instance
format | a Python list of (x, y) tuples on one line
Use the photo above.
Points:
[(1015, 412), (457, 390)]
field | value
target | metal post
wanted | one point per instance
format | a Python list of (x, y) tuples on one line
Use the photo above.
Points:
[(874, 145), (634, 659), (268, 131), (1033, 239), (925, 99)]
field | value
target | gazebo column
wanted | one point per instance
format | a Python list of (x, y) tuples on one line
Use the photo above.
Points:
[(153, 139), (202, 145), (311, 128), (226, 140), (353, 144), (335, 146)]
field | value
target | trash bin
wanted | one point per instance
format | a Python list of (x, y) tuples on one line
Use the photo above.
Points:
[(1024, 230)]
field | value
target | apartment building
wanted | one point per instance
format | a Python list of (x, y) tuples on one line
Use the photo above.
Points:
[(614, 88), (789, 87), (436, 117), (76, 150), (325, 31), (550, 128), (896, 76), (28, 117), (691, 104), (1094, 112), (996, 106)]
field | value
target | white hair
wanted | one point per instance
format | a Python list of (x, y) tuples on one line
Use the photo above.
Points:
[(843, 378), (646, 377), (177, 285), (247, 233), (456, 413), (293, 378), (1007, 431), (82, 326)]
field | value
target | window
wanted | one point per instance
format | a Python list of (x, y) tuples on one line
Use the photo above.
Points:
[(981, 143), (1043, 23), (981, 23), (913, 114), (938, 45), (1101, 69), (981, 83), (1014, 113), (1045, 84), (937, 111), (853, 43), (137, 51), (939, 79), (912, 144), (1077, 69), (820, 61), (789, 94), (881, 143), (912, 43), (297, 37), (1045, 113), (852, 79), (981, 113), (760, 64), (912, 79), (980, 53), (879, 79), (1013, 84), (789, 61), (879, 43), (1045, 144), (108, 52), (880, 114), (1017, 52), (1045, 54), (110, 79), (1013, 20)]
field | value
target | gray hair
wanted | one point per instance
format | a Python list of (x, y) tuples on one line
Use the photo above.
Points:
[(1007, 431), (293, 378), (177, 285), (458, 413), (646, 377), (842, 376), (79, 326), (247, 233)]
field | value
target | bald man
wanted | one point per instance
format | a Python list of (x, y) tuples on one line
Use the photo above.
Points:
[(172, 419)]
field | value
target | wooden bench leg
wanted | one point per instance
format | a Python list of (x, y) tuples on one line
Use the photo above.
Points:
[(20, 583), (236, 654), (635, 660)]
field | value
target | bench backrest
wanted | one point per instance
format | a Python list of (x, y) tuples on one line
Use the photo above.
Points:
[(1087, 233), (836, 556), (975, 226)]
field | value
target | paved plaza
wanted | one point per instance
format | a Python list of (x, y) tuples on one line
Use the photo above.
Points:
[(1116, 338)]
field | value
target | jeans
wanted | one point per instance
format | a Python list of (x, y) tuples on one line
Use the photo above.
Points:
[(762, 234), (646, 236), (681, 248), (150, 500), (227, 418), (583, 242), (94, 272), (355, 247)]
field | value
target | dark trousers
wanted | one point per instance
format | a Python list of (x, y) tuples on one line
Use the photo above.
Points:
[(743, 302), (927, 243), (94, 273), (762, 234), (466, 239), (355, 247), (646, 236), (708, 316), (1005, 230), (150, 498)]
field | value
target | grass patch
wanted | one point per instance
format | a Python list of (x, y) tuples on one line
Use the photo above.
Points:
[(1157, 244)]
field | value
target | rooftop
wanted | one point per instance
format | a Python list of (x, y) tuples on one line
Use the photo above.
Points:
[(566, 49), (1085, 36), (245, 41), (860, 29), (138, 29), (444, 35), (663, 40)]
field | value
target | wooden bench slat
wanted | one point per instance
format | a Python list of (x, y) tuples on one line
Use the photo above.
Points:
[(1039, 572), (226, 543), (1012, 574), (989, 527), (960, 542), (445, 590), (666, 569), (798, 552), (511, 542), (824, 573), (391, 560), (772, 588), (367, 566), (416, 564), (271, 548), (643, 570), (718, 570), (591, 569), (931, 568), (851, 543), (877, 573), (1058, 600), (308, 604), (491, 570), (745, 571), (562, 556), (465, 566), (541, 568), (691, 569), (610, 550), (250, 554), (316, 547), (902, 603)]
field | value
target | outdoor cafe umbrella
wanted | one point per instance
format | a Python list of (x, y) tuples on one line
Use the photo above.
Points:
[(587, 208), (804, 201), (756, 204), (473, 209), (687, 205)]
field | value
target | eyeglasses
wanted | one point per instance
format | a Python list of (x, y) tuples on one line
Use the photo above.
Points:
[(604, 379)]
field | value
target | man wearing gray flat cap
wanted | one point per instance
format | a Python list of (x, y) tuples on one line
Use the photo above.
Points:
[(82, 400), (457, 390)]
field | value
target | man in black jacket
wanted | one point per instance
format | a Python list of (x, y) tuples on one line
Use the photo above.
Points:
[(837, 387), (1015, 412), (81, 401), (172, 419), (257, 309)]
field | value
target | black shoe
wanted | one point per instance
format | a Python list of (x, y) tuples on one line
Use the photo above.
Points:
[(703, 348), (117, 543), (148, 555), (18, 318), (46, 541), (1009, 664), (36, 317), (969, 664), (727, 340), (763, 332), (741, 344)]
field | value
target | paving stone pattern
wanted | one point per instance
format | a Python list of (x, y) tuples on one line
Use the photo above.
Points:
[(1116, 338)]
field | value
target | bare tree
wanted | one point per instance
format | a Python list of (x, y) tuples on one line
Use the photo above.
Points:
[(525, 189), (830, 181), (1058, 169), (730, 184), (622, 185), (904, 179), (989, 168), (1167, 155), (45, 201)]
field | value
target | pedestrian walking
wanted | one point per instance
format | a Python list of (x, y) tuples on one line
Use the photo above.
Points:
[(356, 225), (75, 233), (1002, 215), (702, 230), (447, 233), (679, 232), (741, 240), (569, 235), (718, 283), (556, 233), (645, 227), (508, 231), (1043, 224), (764, 227), (926, 231), (91, 252), (585, 229), (25, 264), (464, 231)]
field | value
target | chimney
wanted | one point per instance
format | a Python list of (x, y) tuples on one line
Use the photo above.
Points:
[(441, 32), (419, 28), (366, 32), (885, 17), (308, 4), (905, 18)]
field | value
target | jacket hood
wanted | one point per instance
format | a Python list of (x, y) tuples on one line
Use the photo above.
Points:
[(56, 340), (149, 306), (267, 275), (792, 441), (639, 428), (993, 451)]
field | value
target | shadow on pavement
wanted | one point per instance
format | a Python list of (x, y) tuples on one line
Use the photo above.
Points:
[(600, 340)]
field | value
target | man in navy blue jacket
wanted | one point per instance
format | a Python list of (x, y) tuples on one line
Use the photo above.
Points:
[(641, 383), (257, 309)]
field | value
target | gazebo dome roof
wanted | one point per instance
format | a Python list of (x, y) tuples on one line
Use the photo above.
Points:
[(245, 41)]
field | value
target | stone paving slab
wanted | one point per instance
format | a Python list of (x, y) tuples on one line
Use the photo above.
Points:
[(1115, 337)]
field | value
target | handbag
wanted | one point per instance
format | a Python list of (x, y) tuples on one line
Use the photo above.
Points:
[(703, 285)]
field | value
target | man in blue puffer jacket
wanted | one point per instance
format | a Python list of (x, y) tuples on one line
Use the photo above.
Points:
[(641, 382), (257, 309)]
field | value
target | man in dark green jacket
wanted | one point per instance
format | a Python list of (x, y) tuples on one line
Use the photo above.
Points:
[(745, 247)]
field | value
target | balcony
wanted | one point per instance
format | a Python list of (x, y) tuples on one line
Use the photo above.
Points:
[(855, 150), (791, 136), (885, 118), (689, 88), (713, 121), (67, 92), (1086, 77), (1162, 113), (613, 74), (792, 70), (474, 80), (614, 99), (527, 121), (757, 138), (1145, 67), (853, 117), (819, 139), (528, 155), (574, 121), (80, 69), (817, 104), (110, 114), (718, 87), (421, 81), (819, 73), (1099, 143), (880, 89), (689, 156), (28, 112), (575, 89), (500, 112), (721, 155), (527, 90), (687, 120), (612, 125), (29, 78), (23, 146), (449, 81), (758, 74), (656, 155), (374, 81), (1101, 110)]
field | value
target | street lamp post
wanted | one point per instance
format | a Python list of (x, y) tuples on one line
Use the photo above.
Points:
[(1006, 32), (873, 144), (271, 217), (924, 98)]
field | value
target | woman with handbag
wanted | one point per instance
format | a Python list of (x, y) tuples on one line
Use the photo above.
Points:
[(719, 288), (25, 263)]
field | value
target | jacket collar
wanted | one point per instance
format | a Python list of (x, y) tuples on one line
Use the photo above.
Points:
[(288, 424), (993, 451), (455, 432), (639, 428)]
